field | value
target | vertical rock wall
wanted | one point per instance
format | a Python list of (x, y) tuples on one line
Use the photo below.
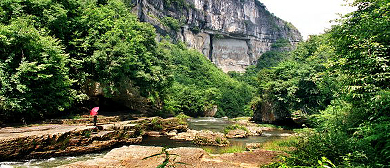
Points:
[(233, 34)]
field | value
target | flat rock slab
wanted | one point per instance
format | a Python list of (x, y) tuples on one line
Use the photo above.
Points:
[(128, 156), (9, 133), (150, 157)]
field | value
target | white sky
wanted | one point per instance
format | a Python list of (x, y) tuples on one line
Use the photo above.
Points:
[(309, 16)]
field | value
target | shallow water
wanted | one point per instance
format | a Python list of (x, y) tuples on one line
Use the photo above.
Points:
[(208, 123), (216, 125), (203, 123), (52, 162)]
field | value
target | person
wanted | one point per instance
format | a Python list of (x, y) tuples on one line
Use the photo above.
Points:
[(94, 120), (94, 113)]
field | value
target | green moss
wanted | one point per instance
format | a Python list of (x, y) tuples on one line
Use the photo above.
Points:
[(156, 125), (268, 125), (195, 29), (218, 36), (87, 133), (64, 143)]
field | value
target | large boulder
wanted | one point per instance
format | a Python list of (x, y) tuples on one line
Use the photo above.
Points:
[(204, 137), (255, 130), (237, 133)]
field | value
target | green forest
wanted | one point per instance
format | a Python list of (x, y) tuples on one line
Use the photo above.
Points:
[(339, 81), (52, 51)]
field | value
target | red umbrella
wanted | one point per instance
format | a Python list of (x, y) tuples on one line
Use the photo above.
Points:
[(94, 111)]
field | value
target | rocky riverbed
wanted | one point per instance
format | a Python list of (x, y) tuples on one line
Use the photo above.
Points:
[(53, 140)]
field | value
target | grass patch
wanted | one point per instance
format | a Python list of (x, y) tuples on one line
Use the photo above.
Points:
[(222, 150), (207, 149), (269, 126), (241, 118), (234, 127), (155, 125), (303, 130), (284, 144), (233, 149), (182, 117)]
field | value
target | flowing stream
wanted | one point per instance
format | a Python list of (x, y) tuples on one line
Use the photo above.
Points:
[(203, 123), (216, 125)]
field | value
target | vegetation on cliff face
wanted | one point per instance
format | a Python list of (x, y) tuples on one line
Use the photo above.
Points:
[(52, 51), (340, 81), (199, 85)]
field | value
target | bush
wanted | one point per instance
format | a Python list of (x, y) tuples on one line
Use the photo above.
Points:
[(312, 146)]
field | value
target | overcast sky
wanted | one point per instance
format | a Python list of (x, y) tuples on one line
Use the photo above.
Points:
[(309, 16)]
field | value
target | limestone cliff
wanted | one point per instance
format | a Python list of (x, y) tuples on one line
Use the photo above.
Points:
[(232, 34)]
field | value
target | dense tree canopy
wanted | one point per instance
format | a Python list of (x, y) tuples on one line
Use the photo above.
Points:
[(34, 77), (67, 45), (54, 51), (199, 85)]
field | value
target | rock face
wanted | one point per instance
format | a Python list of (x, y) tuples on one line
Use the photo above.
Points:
[(232, 34), (265, 112)]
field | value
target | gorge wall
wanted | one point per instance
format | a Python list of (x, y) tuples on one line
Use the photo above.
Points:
[(232, 34)]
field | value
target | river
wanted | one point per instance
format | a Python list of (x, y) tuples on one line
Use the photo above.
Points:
[(203, 123)]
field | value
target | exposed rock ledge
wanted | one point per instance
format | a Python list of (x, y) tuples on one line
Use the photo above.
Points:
[(140, 156)]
